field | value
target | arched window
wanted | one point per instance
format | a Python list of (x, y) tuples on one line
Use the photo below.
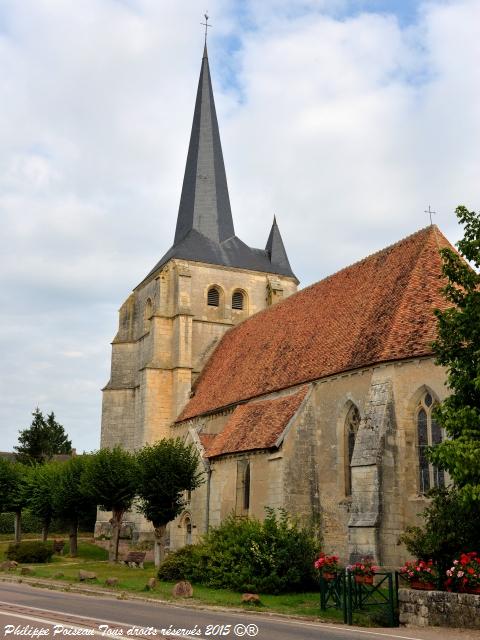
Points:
[(147, 315), (246, 488), (187, 525), (213, 297), (429, 433), (237, 300), (352, 422)]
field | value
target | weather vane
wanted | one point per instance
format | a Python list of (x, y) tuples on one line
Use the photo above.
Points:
[(430, 212), (206, 25)]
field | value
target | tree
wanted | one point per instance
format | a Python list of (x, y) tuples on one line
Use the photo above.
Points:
[(71, 503), (458, 349), (42, 485), (166, 470), (110, 480), (450, 527), (43, 439), (13, 491)]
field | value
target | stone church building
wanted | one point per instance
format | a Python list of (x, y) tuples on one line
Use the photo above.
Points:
[(318, 401)]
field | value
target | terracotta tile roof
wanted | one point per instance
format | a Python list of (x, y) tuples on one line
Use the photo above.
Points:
[(206, 439), (256, 425), (377, 310)]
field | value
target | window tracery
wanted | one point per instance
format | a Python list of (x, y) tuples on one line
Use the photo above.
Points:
[(429, 433)]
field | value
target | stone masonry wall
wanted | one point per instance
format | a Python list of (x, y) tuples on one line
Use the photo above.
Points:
[(439, 609)]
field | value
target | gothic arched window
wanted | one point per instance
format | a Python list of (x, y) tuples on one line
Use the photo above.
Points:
[(187, 524), (352, 422), (429, 433)]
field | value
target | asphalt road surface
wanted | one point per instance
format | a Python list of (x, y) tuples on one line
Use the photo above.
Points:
[(30, 612)]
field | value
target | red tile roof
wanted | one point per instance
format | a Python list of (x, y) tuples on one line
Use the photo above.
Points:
[(206, 439), (256, 425), (377, 310)]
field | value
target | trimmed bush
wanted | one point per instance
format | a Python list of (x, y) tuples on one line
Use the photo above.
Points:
[(30, 551), (273, 556)]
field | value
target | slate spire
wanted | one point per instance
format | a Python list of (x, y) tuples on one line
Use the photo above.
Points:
[(205, 230), (204, 203), (276, 249)]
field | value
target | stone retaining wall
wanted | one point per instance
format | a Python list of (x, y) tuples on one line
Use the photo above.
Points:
[(439, 609)]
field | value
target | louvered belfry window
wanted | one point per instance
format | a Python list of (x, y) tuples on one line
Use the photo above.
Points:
[(237, 300), (213, 297)]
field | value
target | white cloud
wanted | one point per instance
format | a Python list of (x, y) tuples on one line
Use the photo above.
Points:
[(346, 127)]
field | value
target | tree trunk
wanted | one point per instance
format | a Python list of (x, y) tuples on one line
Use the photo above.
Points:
[(72, 535), (159, 544), (18, 526), (116, 522), (45, 529)]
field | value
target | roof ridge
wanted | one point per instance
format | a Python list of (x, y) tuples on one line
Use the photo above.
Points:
[(375, 253)]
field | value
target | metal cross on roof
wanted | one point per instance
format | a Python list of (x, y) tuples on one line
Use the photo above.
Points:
[(430, 212), (206, 25)]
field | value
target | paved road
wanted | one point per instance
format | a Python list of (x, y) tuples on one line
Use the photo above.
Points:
[(24, 609)]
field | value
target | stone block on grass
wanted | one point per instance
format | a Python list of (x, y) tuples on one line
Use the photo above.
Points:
[(111, 582), (84, 576), (251, 598), (182, 589), (151, 584)]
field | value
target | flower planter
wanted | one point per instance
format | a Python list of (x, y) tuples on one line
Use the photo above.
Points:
[(422, 586), (328, 576), (363, 579)]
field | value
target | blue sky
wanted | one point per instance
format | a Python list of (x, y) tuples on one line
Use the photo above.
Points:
[(345, 119)]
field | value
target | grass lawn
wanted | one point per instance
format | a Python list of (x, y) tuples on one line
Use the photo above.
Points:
[(93, 558)]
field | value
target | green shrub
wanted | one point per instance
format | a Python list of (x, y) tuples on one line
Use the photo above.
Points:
[(273, 556), (30, 551), (450, 527), (188, 563)]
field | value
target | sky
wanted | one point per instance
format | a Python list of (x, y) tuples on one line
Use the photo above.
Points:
[(347, 119)]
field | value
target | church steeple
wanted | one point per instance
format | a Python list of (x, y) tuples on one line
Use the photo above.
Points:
[(205, 204), (204, 231)]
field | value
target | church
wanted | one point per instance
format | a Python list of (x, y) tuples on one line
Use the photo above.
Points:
[(316, 401)]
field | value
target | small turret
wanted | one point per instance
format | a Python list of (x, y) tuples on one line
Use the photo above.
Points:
[(276, 250)]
